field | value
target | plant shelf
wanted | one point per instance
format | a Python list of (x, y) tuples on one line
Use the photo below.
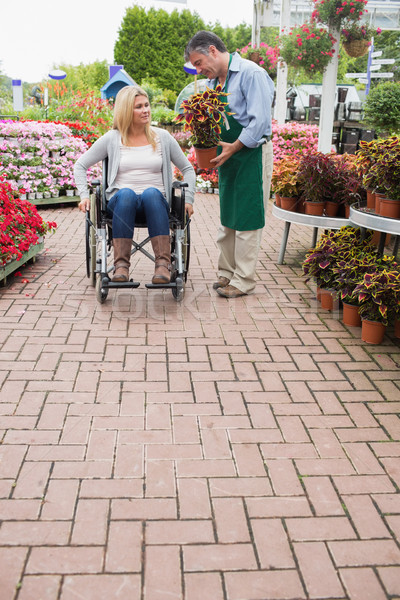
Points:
[(16, 264)]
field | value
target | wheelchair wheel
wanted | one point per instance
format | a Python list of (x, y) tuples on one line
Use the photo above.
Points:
[(101, 291), (90, 242), (178, 277), (178, 292)]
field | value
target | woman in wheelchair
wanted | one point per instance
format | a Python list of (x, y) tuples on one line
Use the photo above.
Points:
[(139, 179)]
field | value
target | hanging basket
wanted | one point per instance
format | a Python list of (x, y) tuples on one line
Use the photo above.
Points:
[(356, 48)]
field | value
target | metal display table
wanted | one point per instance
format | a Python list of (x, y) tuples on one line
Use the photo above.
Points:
[(302, 219), (369, 220)]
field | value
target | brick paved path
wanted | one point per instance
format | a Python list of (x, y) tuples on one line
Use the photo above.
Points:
[(218, 450)]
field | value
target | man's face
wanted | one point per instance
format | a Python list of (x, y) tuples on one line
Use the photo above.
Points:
[(208, 65)]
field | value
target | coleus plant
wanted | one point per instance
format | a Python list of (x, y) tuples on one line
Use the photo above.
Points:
[(202, 116)]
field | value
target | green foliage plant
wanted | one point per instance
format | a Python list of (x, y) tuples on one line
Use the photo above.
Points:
[(285, 177), (202, 115), (382, 108), (378, 295)]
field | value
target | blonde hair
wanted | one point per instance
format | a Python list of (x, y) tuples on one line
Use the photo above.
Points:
[(123, 111)]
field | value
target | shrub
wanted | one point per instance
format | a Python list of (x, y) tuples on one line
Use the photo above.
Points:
[(382, 108)]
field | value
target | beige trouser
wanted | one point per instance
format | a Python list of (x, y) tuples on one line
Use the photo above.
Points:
[(239, 249)]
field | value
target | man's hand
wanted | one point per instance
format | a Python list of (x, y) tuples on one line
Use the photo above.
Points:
[(189, 209), (227, 151), (84, 204)]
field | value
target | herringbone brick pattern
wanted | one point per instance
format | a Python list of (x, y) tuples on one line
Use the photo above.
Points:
[(215, 450)]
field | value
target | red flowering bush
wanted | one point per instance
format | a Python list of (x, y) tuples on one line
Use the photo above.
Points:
[(307, 46), (88, 109), (20, 225), (264, 55), (334, 12)]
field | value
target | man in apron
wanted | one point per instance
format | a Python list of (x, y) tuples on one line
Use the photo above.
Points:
[(245, 158)]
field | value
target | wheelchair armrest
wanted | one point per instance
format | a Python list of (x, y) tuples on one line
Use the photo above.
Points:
[(95, 182), (179, 184)]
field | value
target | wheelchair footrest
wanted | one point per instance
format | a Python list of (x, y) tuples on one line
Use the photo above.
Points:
[(161, 285), (122, 284)]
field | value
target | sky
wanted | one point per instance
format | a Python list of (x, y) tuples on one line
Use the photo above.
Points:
[(38, 34)]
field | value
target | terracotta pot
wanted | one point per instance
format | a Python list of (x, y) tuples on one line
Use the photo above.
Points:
[(372, 332), (389, 208), (289, 203), (346, 211), (328, 302), (397, 328), (378, 198), (204, 155), (356, 48), (300, 205), (318, 294), (277, 200), (331, 208), (351, 316), (314, 208), (371, 199)]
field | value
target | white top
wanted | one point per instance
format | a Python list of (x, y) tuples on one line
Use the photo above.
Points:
[(109, 146), (140, 168)]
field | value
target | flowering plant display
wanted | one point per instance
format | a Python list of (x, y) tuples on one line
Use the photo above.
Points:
[(264, 55), (20, 225), (293, 139), (307, 46), (334, 12), (27, 155), (363, 32), (202, 115)]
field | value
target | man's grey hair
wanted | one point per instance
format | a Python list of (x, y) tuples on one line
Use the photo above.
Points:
[(201, 43)]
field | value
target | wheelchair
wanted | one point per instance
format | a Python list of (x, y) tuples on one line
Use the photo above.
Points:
[(98, 243)]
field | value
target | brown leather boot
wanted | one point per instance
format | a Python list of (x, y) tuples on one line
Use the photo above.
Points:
[(122, 259), (162, 254)]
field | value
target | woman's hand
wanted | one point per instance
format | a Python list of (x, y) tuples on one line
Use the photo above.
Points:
[(189, 209), (84, 204)]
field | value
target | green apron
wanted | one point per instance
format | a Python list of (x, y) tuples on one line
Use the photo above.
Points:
[(240, 182)]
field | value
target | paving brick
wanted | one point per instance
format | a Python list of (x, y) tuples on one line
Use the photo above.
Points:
[(390, 577), (32, 480), (194, 499), (11, 567), (362, 584), (162, 576), (65, 560), (90, 522), (203, 585), (323, 496), (101, 587), (363, 459), (45, 587), (124, 547), (272, 544), (364, 553), (264, 585), (216, 557), (318, 571)]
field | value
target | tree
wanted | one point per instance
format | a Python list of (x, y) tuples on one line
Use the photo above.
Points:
[(86, 78), (151, 44)]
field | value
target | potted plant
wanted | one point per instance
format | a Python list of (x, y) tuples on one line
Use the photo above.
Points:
[(265, 56), (285, 182), (387, 170), (334, 12), (357, 38), (202, 114), (379, 297), (347, 188), (307, 46), (317, 178)]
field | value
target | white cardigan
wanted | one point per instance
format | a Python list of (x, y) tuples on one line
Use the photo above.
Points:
[(109, 146)]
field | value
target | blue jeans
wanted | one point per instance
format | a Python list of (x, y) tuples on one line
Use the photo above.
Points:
[(149, 207)]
